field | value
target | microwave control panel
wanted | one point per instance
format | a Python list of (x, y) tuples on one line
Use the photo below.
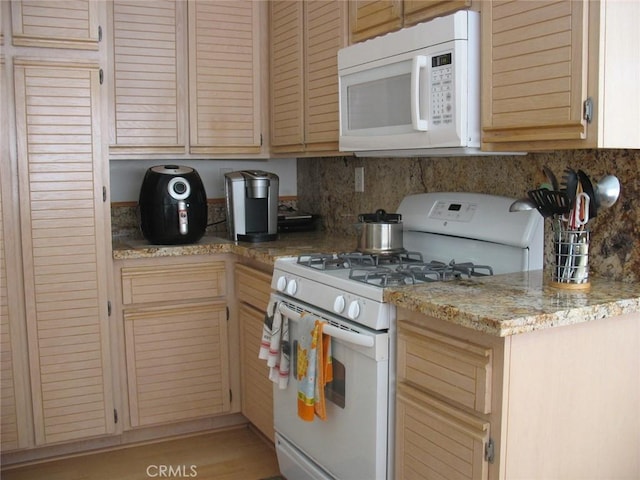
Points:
[(442, 86)]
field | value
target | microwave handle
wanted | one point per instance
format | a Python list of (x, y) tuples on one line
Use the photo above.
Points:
[(335, 332), (419, 62)]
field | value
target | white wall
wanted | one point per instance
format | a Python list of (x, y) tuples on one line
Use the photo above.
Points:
[(127, 175)]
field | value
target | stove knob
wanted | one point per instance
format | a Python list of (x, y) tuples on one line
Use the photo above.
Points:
[(354, 310), (339, 304), (281, 284), (292, 287)]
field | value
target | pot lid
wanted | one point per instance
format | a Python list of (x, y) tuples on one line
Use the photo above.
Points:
[(380, 216)]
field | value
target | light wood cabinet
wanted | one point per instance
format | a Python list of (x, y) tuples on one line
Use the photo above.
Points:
[(186, 77), (560, 402), (57, 370), (253, 289), (444, 393), (65, 248), (559, 75), (371, 18), (15, 415), (42, 23), (176, 339), (304, 40), (148, 56)]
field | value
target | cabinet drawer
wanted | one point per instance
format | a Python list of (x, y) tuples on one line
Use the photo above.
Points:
[(450, 367), (253, 286), (434, 440), (170, 283)]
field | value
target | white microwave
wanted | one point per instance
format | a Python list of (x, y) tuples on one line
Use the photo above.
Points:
[(413, 92)]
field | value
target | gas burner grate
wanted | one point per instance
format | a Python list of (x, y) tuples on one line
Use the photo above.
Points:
[(399, 258), (471, 270), (319, 261), (381, 276)]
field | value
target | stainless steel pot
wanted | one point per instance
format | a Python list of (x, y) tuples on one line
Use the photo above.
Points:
[(380, 233)]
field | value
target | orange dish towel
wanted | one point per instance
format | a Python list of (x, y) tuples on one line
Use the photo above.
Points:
[(313, 369)]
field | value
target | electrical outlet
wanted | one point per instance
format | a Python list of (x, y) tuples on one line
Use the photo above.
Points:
[(359, 176)]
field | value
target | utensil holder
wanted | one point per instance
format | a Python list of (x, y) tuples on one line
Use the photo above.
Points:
[(570, 267)]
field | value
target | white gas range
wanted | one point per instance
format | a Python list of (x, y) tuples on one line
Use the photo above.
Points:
[(446, 236)]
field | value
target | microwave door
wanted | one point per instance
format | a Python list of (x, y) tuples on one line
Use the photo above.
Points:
[(378, 101)]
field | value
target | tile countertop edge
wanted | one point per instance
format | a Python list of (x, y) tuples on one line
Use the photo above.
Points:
[(511, 304)]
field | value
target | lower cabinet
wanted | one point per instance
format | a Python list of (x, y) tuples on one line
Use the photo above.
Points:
[(177, 362), (436, 440), (177, 340), (558, 402), (442, 402), (253, 288)]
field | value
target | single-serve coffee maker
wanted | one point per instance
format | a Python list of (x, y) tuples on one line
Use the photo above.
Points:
[(252, 205)]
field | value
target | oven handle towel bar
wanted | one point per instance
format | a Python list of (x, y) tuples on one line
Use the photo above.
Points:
[(328, 329)]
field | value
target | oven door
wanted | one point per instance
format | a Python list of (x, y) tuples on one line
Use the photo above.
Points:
[(352, 443)]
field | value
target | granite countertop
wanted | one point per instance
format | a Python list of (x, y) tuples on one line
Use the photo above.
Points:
[(515, 303), (287, 245), (500, 305)]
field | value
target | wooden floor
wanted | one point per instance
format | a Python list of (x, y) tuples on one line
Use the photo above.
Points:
[(238, 454)]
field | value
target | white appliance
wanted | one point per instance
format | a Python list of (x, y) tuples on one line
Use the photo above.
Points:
[(443, 232), (413, 92)]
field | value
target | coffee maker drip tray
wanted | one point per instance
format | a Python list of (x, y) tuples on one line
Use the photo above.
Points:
[(257, 237)]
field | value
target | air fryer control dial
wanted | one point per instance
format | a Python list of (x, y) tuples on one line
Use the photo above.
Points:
[(179, 188)]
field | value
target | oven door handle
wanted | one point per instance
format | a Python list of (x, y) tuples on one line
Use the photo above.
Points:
[(335, 332)]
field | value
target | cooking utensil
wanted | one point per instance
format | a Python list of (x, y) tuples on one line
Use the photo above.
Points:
[(587, 187), (522, 205), (579, 214), (570, 184), (380, 233), (550, 202), (551, 177), (607, 191)]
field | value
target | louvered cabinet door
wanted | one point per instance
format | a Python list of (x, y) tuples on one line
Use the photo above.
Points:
[(534, 61), (370, 18), (325, 33), (65, 248), (286, 76), (43, 23), (434, 440), (253, 288), (8, 413), (15, 431), (149, 58), (224, 76), (177, 362), (257, 389), (416, 11)]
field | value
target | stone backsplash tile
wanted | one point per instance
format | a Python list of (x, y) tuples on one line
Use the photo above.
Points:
[(326, 187)]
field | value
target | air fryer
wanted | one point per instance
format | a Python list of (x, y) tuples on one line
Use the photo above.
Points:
[(172, 205)]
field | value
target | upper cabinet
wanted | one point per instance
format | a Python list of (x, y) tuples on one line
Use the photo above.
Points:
[(304, 40), (224, 77), (370, 18), (186, 77), (560, 75), (42, 23), (149, 66)]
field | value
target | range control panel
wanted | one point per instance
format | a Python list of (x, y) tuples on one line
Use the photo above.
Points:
[(453, 211)]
